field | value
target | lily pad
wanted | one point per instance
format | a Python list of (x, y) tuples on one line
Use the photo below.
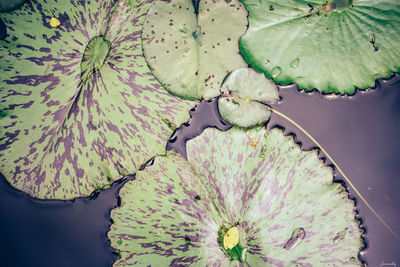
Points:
[(334, 46), (191, 54), (245, 94), (79, 106), (252, 198)]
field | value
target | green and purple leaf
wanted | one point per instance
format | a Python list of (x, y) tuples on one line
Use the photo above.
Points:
[(282, 200), (191, 54), (79, 106), (244, 99), (334, 46)]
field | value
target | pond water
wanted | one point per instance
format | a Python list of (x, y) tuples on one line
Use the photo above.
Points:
[(361, 133)]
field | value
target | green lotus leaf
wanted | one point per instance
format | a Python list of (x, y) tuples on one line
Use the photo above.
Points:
[(190, 55), (9, 5), (252, 198), (244, 95), (334, 46), (79, 106)]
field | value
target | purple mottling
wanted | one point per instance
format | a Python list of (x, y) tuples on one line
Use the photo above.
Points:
[(30, 80), (240, 158), (30, 36), (26, 105), (53, 103), (326, 213), (184, 260), (26, 46), (61, 132), (53, 38), (275, 227), (128, 237), (65, 22), (45, 50)]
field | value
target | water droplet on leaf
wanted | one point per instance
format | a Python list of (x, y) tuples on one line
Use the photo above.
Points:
[(297, 235), (295, 63), (276, 71), (353, 260), (339, 236)]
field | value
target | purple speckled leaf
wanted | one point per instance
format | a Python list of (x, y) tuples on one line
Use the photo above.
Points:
[(79, 106), (191, 54), (282, 200)]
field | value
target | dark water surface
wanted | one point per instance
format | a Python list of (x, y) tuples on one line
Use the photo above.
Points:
[(3, 30), (361, 133)]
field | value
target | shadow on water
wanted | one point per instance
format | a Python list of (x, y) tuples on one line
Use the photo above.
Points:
[(360, 132)]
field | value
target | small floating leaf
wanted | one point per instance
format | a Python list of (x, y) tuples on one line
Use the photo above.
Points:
[(244, 95), (340, 45), (339, 236), (250, 206), (80, 107), (190, 55)]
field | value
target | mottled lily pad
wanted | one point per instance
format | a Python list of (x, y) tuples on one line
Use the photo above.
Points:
[(333, 46), (252, 198), (191, 54), (245, 94), (79, 106)]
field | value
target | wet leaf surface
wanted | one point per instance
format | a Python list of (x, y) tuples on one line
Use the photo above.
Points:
[(334, 46)]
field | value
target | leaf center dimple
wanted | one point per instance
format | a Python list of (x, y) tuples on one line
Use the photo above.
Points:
[(196, 34), (231, 238), (94, 56), (229, 242)]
